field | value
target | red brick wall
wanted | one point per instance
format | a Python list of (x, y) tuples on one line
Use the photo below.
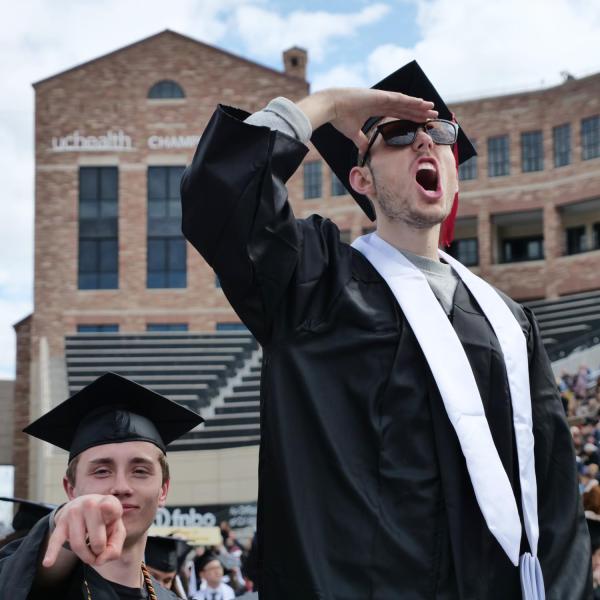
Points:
[(546, 190), (111, 92), (21, 408)]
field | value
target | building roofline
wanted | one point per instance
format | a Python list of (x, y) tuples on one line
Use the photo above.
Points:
[(527, 92), (21, 321), (177, 34)]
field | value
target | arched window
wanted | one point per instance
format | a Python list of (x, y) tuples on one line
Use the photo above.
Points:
[(166, 89)]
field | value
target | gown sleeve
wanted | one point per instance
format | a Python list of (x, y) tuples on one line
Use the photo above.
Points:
[(564, 543), (19, 561), (235, 212)]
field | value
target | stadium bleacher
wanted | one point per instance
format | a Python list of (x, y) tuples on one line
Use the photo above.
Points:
[(568, 323), (190, 368), (218, 373)]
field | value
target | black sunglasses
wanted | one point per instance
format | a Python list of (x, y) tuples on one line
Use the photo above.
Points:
[(403, 133)]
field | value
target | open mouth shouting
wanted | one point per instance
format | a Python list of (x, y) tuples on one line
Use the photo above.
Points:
[(427, 177)]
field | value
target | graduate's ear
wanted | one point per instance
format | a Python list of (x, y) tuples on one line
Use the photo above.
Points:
[(361, 180), (69, 488)]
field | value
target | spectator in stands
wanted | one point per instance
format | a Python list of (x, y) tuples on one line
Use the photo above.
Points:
[(213, 588), (582, 383), (577, 438), (590, 454)]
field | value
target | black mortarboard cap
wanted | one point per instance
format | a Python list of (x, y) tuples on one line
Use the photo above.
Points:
[(28, 512), (113, 409), (340, 153), (166, 553)]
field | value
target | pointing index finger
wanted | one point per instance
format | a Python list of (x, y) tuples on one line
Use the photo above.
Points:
[(55, 543)]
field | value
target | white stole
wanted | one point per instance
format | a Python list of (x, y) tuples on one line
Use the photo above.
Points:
[(454, 377)]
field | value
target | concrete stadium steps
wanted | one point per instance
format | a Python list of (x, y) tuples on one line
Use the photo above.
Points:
[(186, 367), (235, 423), (568, 322), (187, 443)]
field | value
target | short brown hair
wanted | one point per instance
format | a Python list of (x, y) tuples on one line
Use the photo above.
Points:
[(162, 461)]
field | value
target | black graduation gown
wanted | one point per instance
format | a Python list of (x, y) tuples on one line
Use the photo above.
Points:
[(18, 564), (363, 490)]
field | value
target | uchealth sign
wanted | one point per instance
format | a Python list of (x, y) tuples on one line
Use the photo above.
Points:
[(118, 141), (239, 516), (111, 141)]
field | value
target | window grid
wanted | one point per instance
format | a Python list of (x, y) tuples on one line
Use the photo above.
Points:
[(99, 328), (468, 169), (522, 249), (153, 327), (498, 156), (561, 136), (98, 251), (166, 89), (166, 247), (231, 327), (590, 137), (596, 236), (312, 180), (337, 187), (465, 251), (576, 239), (532, 151)]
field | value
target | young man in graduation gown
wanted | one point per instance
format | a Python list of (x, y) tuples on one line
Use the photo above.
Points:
[(92, 547), (402, 428), (164, 557)]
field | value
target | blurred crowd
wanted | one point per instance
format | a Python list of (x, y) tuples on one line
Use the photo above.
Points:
[(580, 393), (222, 572)]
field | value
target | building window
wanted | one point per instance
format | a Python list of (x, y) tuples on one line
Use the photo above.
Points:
[(576, 239), (102, 328), (166, 245), (312, 179), (498, 156), (152, 327), (532, 151), (468, 169), (596, 236), (465, 251), (522, 248), (590, 137), (337, 187), (98, 257), (232, 327), (561, 136), (166, 89)]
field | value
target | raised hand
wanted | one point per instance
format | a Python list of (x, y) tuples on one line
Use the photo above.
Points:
[(348, 108), (92, 525)]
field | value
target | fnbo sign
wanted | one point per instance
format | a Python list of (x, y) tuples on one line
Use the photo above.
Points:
[(239, 516)]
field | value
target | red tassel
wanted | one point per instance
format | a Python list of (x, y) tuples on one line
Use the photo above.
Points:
[(447, 228)]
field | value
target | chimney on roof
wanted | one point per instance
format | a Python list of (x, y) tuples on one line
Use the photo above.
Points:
[(294, 62)]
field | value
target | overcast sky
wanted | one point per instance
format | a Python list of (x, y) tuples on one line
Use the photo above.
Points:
[(468, 48)]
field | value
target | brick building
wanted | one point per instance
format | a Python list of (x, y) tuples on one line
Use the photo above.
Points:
[(113, 274)]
